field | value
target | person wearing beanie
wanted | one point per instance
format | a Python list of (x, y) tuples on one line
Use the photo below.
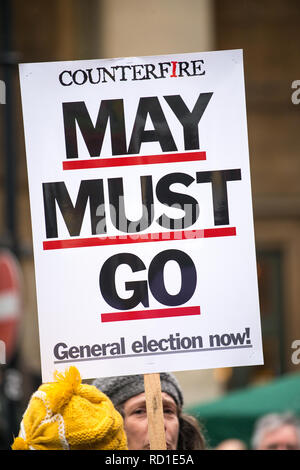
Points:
[(128, 396), (69, 415)]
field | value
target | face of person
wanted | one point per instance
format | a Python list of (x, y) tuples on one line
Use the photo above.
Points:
[(284, 438), (136, 423)]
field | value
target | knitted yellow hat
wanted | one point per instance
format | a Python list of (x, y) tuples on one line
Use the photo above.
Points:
[(69, 415)]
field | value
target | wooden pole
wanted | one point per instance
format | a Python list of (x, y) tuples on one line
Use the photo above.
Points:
[(156, 426)]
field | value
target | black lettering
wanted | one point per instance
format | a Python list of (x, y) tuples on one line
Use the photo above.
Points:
[(76, 112), (161, 341), (150, 71), (74, 352), (172, 340), (90, 74), (60, 77), (197, 66), (152, 345), (197, 342), (164, 68), (117, 205), (219, 179), (96, 350), (214, 340), (161, 133), (107, 282), (109, 74), (181, 201), (137, 347), (85, 351), (82, 77), (60, 351), (137, 72), (188, 277), (189, 120), (183, 68), (123, 69), (57, 192), (185, 343)]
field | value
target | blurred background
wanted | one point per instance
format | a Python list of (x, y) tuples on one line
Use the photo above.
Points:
[(268, 32)]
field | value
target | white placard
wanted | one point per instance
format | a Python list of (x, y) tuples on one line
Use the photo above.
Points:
[(141, 211)]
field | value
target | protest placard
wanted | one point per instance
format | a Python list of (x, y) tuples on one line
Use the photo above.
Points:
[(141, 211)]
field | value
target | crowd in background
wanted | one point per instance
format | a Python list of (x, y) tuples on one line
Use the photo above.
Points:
[(111, 414)]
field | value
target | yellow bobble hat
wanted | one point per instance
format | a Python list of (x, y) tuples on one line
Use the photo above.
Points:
[(69, 415)]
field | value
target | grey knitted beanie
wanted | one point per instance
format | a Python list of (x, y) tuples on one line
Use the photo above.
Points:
[(120, 389)]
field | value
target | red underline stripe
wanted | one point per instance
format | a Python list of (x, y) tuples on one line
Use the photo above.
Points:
[(149, 314), (137, 160), (139, 238)]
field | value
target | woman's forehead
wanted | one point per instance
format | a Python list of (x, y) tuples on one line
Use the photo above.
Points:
[(140, 399)]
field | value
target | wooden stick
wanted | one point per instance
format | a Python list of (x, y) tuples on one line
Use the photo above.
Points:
[(156, 427)]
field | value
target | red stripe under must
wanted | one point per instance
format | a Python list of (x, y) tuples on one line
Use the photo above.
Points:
[(139, 238)]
